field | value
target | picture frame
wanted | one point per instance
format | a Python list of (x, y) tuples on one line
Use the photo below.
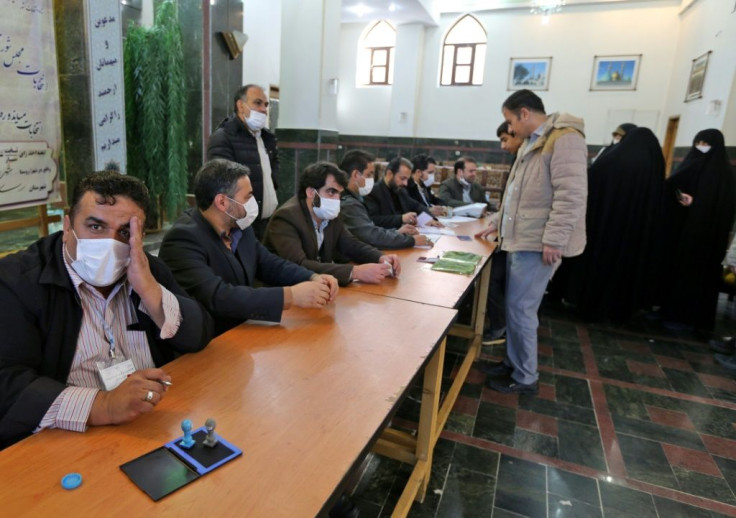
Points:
[(615, 72), (696, 80), (529, 73)]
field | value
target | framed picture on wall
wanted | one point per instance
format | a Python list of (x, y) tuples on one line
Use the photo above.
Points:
[(697, 77), (615, 72), (530, 73)]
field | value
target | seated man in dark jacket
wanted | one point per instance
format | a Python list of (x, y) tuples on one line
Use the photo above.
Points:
[(306, 230), (389, 205), (83, 309), (214, 255), (420, 184), (461, 188), (360, 167)]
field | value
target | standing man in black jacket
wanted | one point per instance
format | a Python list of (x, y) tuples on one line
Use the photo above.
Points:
[(85, 307), (243, 138)]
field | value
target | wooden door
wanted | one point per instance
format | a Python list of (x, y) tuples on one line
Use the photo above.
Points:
[(669, 143)]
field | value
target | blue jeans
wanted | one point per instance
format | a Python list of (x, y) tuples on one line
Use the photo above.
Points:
[(526, 279)]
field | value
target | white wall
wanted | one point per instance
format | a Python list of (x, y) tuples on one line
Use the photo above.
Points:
[(705, 25), (360, 110), (262, 24), (572, 38)]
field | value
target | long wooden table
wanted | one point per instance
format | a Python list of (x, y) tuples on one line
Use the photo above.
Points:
[(419, 283), (304, 400)]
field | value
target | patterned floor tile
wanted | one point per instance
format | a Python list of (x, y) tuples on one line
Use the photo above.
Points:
[(672, 418), (570, 485), (720, 446), (622, 502), (645, 460), (536, 423), (692, 460)]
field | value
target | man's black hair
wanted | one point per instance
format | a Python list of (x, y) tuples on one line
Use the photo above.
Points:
[(218, 176), (356, 160), (524, 99), (397, 162), (460, 164), (315, 176), (108, 185), (421, 162)]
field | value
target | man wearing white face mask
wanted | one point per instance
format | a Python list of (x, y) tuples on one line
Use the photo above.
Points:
[(360, 167), (243, 138), (89, 318), (461, 188), (215, 256), (307, 230), (420, 184)]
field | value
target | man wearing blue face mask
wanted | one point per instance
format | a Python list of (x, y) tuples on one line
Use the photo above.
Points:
[(306, 230), (243, 138), (89, 318), (215, 256)]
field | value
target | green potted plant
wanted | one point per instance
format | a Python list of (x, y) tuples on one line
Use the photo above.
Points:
[(155, 110)]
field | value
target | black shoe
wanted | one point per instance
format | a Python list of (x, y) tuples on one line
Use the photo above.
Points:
[(509, 386), (495, 369), (493, 336), (723, 346), (344, 508), (727, 362)]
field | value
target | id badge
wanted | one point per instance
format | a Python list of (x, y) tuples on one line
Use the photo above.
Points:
[(114, 371)]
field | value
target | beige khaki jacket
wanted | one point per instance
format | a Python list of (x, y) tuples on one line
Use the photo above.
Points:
[(550, 187)]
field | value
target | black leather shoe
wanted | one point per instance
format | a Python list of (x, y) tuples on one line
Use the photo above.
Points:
[(723, 346), (494, 336), (509, 386), (344, 508), (495, 369), (727, 362)]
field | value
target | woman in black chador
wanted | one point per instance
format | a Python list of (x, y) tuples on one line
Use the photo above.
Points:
[(699, 204), (614, 277)]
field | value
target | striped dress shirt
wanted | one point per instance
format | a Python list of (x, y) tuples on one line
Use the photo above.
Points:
[(71, 409)]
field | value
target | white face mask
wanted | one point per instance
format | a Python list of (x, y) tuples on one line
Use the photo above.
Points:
[(256, 121), (616, 139), (328, 209), (429, 182), (366, 190), (251, 213), (100, 262), (464, 182), (703, 149)]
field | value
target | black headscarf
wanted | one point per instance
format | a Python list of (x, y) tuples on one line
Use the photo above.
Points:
[(697, 236), (613, 278), (622, 130)]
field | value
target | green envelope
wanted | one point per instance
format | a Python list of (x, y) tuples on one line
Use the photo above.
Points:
[(463, 263)]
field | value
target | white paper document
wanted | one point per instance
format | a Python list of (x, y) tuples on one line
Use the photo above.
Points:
[(474, 210), (423, 218)]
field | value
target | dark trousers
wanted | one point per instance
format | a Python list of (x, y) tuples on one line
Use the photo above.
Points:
[(496, 308)]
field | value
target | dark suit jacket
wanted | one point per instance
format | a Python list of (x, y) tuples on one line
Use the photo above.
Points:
[(451, 192), (413, 189), (40, 322), (290, 234), (385, 208), (224, 281)]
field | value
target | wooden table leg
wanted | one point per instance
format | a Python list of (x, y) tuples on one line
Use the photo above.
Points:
[(427, 434)]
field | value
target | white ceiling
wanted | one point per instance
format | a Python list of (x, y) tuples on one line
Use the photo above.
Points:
[(428, 11)]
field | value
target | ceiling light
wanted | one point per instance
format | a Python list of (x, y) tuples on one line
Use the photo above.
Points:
[(547, 7), (360, 9), (392, 7)]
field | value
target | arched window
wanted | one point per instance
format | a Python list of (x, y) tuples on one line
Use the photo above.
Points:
[(464, 53), (376, 54)]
